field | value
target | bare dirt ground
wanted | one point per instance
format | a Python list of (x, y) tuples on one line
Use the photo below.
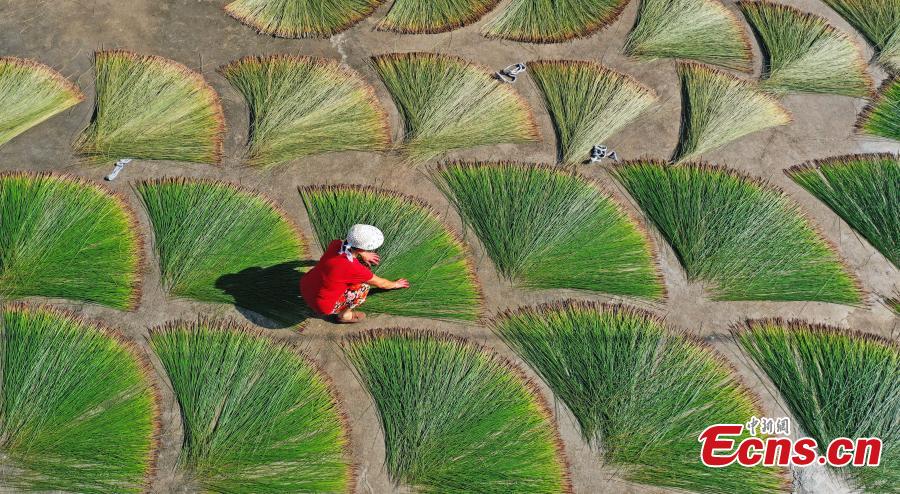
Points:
[(64, 33)]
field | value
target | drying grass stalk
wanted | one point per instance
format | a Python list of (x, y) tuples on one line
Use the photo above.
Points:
[(258, 416), (894, 304), (220, 243), (151, 108), (448, 103), (540, 21), (301, 18), (301, 106), (456, 416), (30, 93), (642, 391), (881, 118), (434, 16), (864, 190), (78, 403), (701, 30), (879, 21), (548, 228), (804, 53), (836, 383), (588, 103), (64, 237), (417, 247), (718, 108), (744, 238)]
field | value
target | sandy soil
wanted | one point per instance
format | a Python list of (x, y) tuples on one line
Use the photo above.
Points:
[(64, 33)]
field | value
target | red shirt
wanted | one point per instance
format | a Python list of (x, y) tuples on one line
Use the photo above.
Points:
[(333, 275)]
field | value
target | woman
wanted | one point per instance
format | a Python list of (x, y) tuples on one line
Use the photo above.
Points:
[(340, 282)]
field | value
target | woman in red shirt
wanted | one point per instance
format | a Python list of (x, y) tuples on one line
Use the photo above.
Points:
[(340, 282)]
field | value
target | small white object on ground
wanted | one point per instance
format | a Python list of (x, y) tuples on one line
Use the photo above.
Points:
[(600, 151), (117, 169), (511, 73)]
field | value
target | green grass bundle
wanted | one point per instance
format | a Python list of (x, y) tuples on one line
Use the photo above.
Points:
[(879, 21), (548, 228), (893, 304), (78, 406), (836, 383), (804, 53), (588, 103), (718, 108), (258, 417), (301, 106), (882, 117), (417, 247), (457, 418), (434, 16), (701, 30), (448, 103), (30, 93), (220, 243), (743, 238), (641, 393), (151, 108), (542, 21), (864, 190), (67, 238), (301, 18)]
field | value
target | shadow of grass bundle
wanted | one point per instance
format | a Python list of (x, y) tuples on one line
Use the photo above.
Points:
[(448, 103), (836, 383), (718, 108), (434, 16), (258, 417), (301, 18), (67, 238), (544, 227), (301, 106), (588, 103), (701, 30), (78, 403), (879, 21), (806, 54), (539, 21), (744, 238), (151, 108), (864, 190), (881, 118), (456, 417), (640, 392), (218, 242), (417, 247), (30, 93)]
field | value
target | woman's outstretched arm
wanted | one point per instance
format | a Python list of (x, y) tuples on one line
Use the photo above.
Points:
[(384, 284)]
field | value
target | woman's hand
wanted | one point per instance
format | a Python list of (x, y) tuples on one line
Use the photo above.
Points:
[(369, 258), (401, 283)]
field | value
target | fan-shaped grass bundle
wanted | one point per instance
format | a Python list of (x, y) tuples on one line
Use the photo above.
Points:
[(744, 238), (258, 416), (701, 30), (30, 93), (301, 106), (151, 108), (78, 404), (836, 384), (67, 238), (879, 21), (540, 21), (456, 417), (864, 190), (642, 391), (220, 243), (804, 53), (434, 16), (448, 103), (418, 247), (301, 18), (718, 108), (588, 103), (548, 228), (881, 118)]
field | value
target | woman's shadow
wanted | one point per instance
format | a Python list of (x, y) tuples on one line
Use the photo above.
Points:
[(272, 292)]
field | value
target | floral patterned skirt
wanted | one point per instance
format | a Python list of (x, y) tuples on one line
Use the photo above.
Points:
[(351, 299)]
